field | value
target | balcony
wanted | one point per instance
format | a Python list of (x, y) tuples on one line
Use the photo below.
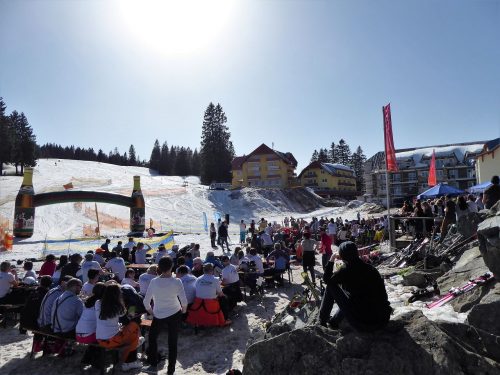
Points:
[(310, 175)]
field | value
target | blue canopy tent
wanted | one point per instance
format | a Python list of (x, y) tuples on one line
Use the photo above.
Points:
[(480, 188), (439, 190)]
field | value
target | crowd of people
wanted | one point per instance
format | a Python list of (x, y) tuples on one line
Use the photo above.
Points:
[(439, 213), (100, 299)]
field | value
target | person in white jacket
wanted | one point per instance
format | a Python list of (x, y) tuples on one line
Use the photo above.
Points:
[(170, 302)]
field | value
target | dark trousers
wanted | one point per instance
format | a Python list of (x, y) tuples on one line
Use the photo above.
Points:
[(222, 241), (325, 259), (335, 293), (171, 324), (212, 240), (233, 294), (308, 261)]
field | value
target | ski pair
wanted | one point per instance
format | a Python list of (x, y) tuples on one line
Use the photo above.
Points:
[(455, 292)]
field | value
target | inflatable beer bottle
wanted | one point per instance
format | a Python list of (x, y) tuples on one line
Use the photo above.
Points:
[(137, 209), (24, 212)]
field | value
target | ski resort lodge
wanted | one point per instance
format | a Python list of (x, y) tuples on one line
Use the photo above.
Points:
[(328, 180), (455, 165), (264, 167), (268, 168)]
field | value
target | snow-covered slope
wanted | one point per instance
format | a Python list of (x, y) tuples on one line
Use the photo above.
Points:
[(169, 203)]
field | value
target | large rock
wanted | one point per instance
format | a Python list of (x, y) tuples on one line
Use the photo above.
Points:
[(485, 315), (411, 344), (488, 233), (420, 277), (469, 266)]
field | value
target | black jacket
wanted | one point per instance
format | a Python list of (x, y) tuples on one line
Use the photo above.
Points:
[(365, 288)]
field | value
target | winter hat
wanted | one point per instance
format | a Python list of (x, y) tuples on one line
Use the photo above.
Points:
[(348, 251)]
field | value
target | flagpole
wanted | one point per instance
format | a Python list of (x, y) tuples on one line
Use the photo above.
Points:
[(387, 188)]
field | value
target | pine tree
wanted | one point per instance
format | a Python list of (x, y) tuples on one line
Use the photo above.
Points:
[(131, 155), (182, 167), (195, 163), (343, 153), (154, 160), (323, 155), (24, 145), (358, 160), (165, 167), (314, 156), (217, 151), (173, 157), (332, 154), (101, 156), (5, 136)]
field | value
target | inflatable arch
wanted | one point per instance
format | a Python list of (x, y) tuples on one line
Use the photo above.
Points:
[(27, 201)]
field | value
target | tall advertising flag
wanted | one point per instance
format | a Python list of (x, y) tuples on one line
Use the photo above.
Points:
[(390, 150), (432, 181)]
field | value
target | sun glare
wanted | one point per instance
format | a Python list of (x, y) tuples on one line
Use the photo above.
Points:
[(175, 27)]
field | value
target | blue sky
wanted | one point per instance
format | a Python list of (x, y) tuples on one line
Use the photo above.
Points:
[(300, 74)]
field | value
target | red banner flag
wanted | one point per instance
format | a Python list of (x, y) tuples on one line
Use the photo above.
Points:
[(432, 180), (390, 151)]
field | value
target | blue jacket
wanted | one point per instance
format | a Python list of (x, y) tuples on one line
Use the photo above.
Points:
[(66, 312)]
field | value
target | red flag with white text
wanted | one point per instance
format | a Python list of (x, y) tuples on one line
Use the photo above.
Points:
[(432, 180), (390, 150)]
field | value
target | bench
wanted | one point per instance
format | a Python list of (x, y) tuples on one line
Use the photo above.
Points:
[(115, 352), (5, 310)]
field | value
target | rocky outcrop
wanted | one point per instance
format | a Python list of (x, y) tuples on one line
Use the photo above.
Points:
[(411, 344), (488, 233), (469, 266), (485, 315)]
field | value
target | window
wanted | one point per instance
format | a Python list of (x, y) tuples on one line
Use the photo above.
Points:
[(396, 177), (424, 174), (412, 176), (453, 173), (439, 173), (273, 166)]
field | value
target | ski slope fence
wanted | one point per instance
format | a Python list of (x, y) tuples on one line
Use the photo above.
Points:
[(67, 246)]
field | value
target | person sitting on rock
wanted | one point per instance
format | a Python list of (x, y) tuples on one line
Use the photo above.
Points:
[(359, 291)]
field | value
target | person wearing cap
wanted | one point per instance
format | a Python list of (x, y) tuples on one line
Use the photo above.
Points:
[(359, 291), (160, 253), (98, 256)]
